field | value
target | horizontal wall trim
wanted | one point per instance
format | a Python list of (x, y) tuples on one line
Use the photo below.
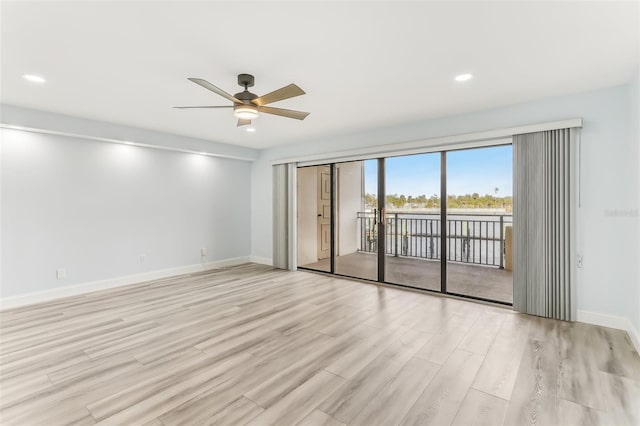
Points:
[(88, 287), (421, 150), (120, 141), (611, 321), (461, 141)]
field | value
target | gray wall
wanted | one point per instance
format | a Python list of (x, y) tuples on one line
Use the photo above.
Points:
[(94, 208), (608, 228)]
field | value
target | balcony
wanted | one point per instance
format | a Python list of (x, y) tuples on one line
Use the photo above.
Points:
[(475, 251), (476, 256)]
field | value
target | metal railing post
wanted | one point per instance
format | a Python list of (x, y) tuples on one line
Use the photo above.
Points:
[(501, 242), (431, 239), (395, 229)]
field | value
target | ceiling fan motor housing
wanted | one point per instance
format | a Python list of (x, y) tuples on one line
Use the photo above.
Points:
[(245, 96), (245, 80)]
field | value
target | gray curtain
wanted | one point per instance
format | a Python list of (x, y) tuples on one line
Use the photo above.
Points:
[(280, 216), (543, 214)]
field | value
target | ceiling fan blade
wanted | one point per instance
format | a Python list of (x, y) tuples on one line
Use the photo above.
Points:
[(289, 113), (214, 89), (205, 106), (285, 92), (242, 122)]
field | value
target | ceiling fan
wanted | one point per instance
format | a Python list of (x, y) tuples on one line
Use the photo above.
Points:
[(247, 106)]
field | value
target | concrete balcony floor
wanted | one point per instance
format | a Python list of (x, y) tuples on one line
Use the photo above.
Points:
[(487, 282)]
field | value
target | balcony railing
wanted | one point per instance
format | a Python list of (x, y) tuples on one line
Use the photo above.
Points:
[(471, 238)]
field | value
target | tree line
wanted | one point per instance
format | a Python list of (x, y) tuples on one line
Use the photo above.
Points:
[(467, 201)]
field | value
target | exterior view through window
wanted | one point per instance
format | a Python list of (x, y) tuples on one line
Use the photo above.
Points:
[(385, 220), (480, 223)]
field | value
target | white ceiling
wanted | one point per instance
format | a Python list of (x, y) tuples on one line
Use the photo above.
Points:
[(363, 65)]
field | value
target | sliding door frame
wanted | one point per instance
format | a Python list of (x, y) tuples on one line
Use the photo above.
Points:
[(381, 219), (293, 245), (443, 221), (332, 219)]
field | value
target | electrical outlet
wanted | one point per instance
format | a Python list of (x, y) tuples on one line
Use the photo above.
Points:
[(61, 274), (142, 258), (579, 261), (203, 251)]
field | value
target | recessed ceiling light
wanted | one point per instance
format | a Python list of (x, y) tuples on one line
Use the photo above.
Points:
[(34, 78), (250, 129), (463, 77)]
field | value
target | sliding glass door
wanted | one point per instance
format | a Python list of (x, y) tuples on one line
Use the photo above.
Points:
[(412, 221), (385, 220), (479, 220), (315, 206), (356, 225)]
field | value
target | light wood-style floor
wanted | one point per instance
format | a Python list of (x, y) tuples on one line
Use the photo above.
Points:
[(258, 346)]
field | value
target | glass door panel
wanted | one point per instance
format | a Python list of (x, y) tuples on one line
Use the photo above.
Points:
[(383, 220), (356, 235), (479, 220), (412, 221), (314, 217)]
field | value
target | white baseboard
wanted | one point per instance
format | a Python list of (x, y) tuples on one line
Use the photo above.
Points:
[(262, 260), (73, 290), (612, 321)]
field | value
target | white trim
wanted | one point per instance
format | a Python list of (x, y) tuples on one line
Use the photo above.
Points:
[(374, 153), (611, 321), (119, 141), (77, 289), (465, 140), (292, 204), (262, 260)]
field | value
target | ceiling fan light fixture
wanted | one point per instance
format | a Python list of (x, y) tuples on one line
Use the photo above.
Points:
[(245, 112)]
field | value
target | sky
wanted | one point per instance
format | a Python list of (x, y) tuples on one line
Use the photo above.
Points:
[(480, 170)]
